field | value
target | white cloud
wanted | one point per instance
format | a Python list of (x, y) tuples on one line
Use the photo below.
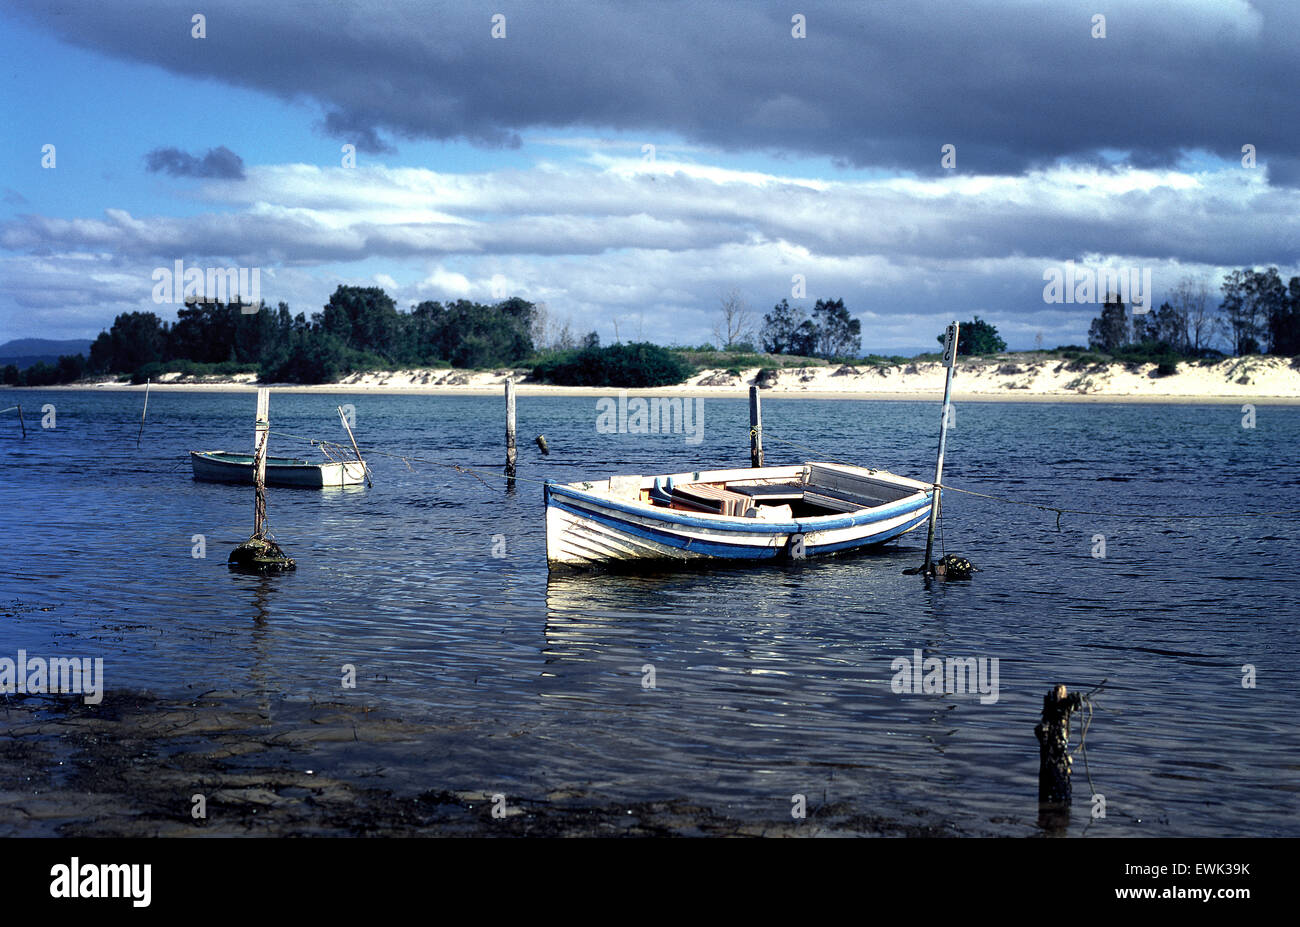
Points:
[(610, 237)]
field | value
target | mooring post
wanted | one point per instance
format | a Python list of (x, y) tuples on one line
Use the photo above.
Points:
[(512, 453), (755, 428), (949, 356), (365, 471), (21, 422), (1053, 733), (259, 554), (261, 433), (143, 413)]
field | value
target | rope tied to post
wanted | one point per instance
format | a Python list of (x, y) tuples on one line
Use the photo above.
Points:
[(1065, 511)]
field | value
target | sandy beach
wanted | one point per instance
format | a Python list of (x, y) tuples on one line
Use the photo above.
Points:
[(1011, 378)]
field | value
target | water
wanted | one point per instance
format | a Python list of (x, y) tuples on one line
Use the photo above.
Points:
[(767, 682)]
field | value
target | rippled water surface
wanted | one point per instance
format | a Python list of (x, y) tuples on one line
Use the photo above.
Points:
[(767, 681)]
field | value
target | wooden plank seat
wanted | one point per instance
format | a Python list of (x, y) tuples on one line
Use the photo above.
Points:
[(701, 497), (836, 501), (844, 486), (778, 492)]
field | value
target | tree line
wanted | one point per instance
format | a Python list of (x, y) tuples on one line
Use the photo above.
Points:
[(1258, 313), (359, 328)]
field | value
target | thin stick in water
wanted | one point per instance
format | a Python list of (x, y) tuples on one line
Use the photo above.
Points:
[(143, 412), (348, 428)]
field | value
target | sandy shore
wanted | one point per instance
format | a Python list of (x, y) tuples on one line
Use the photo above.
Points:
[(1010, 378)]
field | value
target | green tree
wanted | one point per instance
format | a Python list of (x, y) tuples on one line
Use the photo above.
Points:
[(1241, 310), (1284, 324), (1163, 331), (837, 334), (1271, 308), (1110, 331), (362, 318), (977, 337), (135, 339), (785, 330)]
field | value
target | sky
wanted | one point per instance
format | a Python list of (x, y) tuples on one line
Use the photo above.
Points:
[(630, 164)]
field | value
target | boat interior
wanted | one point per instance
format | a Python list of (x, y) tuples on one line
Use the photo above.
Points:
[(769, 494)]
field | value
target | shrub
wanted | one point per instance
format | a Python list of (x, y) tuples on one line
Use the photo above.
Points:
[(147, 372), (1085, 360), (630, 366)]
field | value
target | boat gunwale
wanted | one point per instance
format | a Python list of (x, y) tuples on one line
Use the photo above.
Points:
[(291, 463), (740, 524)]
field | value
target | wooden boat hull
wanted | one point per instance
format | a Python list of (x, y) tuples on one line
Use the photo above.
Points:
[(225, 467), (587, 525)]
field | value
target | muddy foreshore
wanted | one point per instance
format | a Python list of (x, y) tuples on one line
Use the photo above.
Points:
[(133, 765)]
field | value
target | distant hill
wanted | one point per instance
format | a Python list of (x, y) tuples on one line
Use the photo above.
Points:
[(24, 352)]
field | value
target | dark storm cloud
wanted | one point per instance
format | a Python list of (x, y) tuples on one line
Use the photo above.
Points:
[(348, 126), (219, 163), (1013, 84)]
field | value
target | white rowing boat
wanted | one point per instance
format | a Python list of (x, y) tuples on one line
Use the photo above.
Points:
[(759, 513), (227, 467)]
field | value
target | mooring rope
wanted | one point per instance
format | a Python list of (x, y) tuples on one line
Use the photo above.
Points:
[(1051, 508), (816, 453), (407, 458), (480, 474), (1062, 511), (1087, 699)]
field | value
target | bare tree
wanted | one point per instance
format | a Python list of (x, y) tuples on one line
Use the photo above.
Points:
[(539, 330), (562, 337), (737, 322), (549, 332), (1191, 300)]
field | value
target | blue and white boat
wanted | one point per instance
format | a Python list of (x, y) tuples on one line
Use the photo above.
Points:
[(762, 513)]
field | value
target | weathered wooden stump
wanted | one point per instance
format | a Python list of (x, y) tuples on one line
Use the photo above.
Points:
[(1054, 763)]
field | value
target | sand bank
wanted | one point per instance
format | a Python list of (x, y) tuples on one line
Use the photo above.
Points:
[(1010, 378)]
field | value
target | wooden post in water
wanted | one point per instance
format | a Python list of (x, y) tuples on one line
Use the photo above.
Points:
[(21, 422), (512, 453), (259, 554), (348, 428), (755, 428), (949, 357), (143, 412), (1053, 733), (261, 432)]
